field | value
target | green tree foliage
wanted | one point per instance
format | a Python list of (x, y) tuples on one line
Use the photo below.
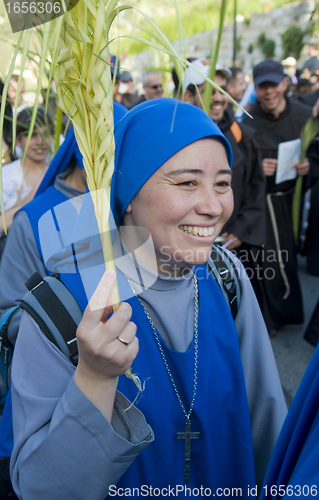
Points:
[(261, 39), (292, 42), (269, 48), (266, 45), (196, 17)]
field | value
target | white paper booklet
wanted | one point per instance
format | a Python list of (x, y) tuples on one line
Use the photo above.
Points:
[(288, 155)]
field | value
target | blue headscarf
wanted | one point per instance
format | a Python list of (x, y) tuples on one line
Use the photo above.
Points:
[(68, 149), (147, 137)]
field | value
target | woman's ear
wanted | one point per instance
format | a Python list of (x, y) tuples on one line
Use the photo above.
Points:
[(129, 209)]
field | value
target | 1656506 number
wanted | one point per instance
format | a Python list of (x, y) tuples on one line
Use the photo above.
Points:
[(290, 490)]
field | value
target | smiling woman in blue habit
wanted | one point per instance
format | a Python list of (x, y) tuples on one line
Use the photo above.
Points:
[(212, 405)]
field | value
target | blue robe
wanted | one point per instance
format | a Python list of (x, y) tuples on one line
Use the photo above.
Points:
[(295, 459), (44, 202), (222, 457)]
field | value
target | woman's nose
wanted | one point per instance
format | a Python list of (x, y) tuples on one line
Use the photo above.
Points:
[(209, 203)]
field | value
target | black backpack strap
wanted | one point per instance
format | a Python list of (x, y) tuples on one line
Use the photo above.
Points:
[(223, 269), (6, 352), (55, 310)]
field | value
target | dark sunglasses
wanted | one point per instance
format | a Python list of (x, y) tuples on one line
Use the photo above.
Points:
[(154, 87)]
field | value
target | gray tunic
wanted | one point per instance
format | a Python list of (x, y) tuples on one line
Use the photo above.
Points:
[(51, 413)]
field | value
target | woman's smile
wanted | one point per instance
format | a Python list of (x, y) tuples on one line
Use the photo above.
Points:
[(203, 231)]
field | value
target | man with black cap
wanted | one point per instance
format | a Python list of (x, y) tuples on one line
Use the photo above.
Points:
[(277, 119)]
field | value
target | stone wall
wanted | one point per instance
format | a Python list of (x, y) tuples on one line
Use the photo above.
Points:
[(273, 23)]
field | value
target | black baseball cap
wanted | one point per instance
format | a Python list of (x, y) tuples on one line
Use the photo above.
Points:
[(268, 71)]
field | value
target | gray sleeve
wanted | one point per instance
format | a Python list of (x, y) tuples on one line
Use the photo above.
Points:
[(265, 396), (19, 261), (63, 445)]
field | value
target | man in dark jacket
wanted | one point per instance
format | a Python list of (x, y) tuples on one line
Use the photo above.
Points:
[(278, 119)]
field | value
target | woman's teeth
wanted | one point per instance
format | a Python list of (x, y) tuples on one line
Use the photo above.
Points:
[(198, 231)]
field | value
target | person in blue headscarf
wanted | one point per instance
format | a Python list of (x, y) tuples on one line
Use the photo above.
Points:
[(64, 180), (212, 404)]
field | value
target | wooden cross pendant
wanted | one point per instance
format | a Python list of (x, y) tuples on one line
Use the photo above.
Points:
[(187, 435)]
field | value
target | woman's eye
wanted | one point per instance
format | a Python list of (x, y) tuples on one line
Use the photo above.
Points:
[(223, 184), (186, 183)]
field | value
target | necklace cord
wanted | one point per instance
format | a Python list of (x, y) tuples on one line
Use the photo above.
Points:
[(160, 348)]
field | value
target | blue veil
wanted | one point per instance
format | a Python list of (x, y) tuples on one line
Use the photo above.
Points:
[(147, 137)]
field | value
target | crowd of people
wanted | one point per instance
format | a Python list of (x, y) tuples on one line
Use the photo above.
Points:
[(212, 406)]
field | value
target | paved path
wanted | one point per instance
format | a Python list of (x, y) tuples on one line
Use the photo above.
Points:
[(292, 352)]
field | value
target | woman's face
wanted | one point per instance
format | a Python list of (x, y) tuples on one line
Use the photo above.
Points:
[(39, 145), (184, 205)]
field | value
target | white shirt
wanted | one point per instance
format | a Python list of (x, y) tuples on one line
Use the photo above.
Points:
[(14, 186)]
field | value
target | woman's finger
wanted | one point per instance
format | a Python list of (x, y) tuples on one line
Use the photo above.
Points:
[(127, 336), (119, 321), (94, 312)]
